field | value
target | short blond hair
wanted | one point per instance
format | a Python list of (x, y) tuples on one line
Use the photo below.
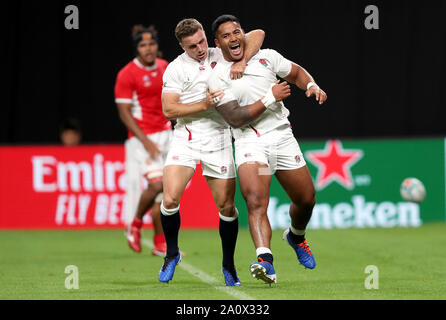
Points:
[(186, 28)]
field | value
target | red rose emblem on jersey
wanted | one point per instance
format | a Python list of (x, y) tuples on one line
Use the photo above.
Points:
[(213, 63), (263, 62)]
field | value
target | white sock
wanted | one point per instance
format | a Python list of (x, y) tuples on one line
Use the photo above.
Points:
[(297, 232), (262, 250), (229, 219), (168, 212)]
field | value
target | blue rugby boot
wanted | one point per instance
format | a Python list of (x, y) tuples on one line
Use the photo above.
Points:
[(168, 268), (263, 270), (231, 278), (303, 252)]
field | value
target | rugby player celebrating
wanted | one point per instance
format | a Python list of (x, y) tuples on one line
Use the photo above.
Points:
[(266, 146)]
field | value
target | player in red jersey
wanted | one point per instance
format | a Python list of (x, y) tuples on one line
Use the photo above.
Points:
[(138, 98)]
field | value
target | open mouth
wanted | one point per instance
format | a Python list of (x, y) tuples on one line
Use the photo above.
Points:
[(202, 56), (235, 49)]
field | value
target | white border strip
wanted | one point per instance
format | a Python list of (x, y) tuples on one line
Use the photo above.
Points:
[(207, 278)]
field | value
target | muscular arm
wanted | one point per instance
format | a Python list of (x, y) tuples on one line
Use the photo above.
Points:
[(237, 116), (172, 109), (254, 41), (299, 76)]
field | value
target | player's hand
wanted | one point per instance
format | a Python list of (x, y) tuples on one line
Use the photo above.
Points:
[(213, 98), (320, 95), (152, 149), (281, 90), (238, 69)]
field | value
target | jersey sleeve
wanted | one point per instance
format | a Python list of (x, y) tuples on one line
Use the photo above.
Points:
[(172, 80), (219, 80), (280, 65), (124, 88)]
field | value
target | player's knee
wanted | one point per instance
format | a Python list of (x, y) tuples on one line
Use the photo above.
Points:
[(256, 201), (170, 202), (306, 200), (227, 210)]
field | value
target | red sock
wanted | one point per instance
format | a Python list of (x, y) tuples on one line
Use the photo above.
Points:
[(137, 223), (158, 239)]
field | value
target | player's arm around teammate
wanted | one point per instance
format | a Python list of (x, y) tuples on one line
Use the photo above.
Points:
[(232, 42), (196, 46), (239, 116)]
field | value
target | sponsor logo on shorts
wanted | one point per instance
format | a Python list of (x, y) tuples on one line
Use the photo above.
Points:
[(297, 158), (224, 169), (247, 155), (176, 158)]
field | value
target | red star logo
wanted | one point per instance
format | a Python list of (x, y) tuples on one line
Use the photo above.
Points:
[(334, 164)]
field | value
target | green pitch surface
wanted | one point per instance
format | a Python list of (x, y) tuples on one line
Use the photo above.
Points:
[(411, 264)]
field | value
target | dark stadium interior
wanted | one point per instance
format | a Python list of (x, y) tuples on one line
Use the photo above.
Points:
[(380, 83)]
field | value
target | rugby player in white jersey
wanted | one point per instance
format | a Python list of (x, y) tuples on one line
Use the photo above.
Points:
[(266, 146), (202, 135)]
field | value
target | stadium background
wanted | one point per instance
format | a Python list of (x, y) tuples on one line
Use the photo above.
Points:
[(386, 82), (382, 84)]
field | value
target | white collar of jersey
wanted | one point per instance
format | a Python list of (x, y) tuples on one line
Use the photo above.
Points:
[(139, 64)]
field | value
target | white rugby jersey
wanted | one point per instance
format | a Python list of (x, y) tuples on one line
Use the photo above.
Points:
[(259, 74), (189, 78)]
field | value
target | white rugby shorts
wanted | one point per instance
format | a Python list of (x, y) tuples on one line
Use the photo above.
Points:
[(214, 154), (137, 156), (278, 149)]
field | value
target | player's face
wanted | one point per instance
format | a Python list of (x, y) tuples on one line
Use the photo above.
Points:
[(230, 38), (196, 45), (147, 51)]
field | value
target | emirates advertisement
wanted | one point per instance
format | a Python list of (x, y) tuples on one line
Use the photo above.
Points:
[(49, 187)]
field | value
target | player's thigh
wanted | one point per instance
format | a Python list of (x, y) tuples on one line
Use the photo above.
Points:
[(175, 180), (253, 169), (297, 183), (254, 183), (178, 170), (223, 191)]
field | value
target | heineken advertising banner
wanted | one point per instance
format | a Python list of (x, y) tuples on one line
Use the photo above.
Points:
[(358, 184)]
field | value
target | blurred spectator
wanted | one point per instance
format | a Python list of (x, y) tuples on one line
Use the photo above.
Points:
[(70, 132)]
